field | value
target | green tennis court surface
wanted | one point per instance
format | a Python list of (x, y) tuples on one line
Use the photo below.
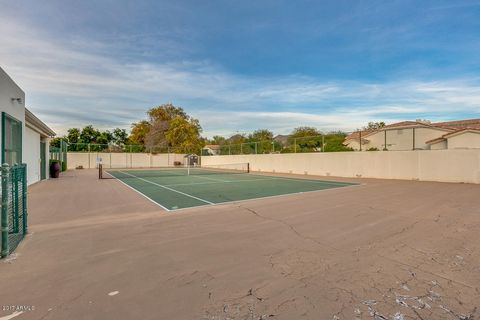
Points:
[(177, 188)]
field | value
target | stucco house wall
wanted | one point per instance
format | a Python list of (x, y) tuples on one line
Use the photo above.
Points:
[(400, 139), (34, 131), (10, 90), (422, 135), (466, 140), (32, 157), (439, 145)]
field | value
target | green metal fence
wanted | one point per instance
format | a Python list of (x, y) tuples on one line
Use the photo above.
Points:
[(60, 154), (13, 207), (330, 142)]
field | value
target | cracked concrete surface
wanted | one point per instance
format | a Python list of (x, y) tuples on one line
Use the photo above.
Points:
[(385, 250)]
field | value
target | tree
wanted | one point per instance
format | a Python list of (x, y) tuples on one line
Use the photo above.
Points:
[(166, 112), (55, 142), (305, 132), (184, 135), (139, 132), (119, 137), (73, 138), (334, 142), (168, 128), (260, 135), (160, 119), (104, 137), (306, 139), (261, 141), (73, 135), (218, 140), (89, 134), (372, 126)]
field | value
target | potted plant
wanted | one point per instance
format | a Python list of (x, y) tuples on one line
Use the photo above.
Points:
[(55, 168)]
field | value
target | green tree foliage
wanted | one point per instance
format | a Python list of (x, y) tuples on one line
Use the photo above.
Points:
[(305, 132), (55, 142), (305, 139), (89, 134), (73, 135), (166, 112), (218, 140), (308, 139), (184, 135), (260, 135), (119, 137), (334, 142), (168, 128), (139, 132), (92, 139), (261, 141), (372, 126)]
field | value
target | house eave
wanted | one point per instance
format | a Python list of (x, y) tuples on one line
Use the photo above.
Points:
[(37, 125)]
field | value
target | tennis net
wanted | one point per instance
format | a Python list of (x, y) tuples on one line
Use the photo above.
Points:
[(124, 173)]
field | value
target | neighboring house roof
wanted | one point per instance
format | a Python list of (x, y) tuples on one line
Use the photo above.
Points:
[(460, 124), (453, 134), (36, 124), (450, 126), (436, 140), (404, 124), (356, 135)]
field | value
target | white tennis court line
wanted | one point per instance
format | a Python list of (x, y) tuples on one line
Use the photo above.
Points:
[(268, 197), (207, 178), (217, 182), (338, 183), (145, 196), (165, 187), (323, 182)]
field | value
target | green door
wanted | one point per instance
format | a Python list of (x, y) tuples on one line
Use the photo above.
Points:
[(43, 160)]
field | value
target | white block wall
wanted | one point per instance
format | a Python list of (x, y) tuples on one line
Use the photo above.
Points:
[(426, 165)]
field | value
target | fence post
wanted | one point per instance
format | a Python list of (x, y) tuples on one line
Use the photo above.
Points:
[(241, 148), (413, 147), (4, 221), (323, 143), (360, 139), (24, 199), (16, 215), (229, 150), (294, 145), (256, 148), (385, 143)]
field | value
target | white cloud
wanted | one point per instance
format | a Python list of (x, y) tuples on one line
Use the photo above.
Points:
[(77, 83)]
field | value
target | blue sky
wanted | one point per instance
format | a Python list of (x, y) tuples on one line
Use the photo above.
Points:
[(242, 65)]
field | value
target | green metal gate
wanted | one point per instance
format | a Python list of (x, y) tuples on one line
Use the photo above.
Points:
[(43, 160), (13, 206)]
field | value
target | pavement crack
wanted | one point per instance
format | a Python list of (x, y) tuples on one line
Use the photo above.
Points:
[(292, 228)]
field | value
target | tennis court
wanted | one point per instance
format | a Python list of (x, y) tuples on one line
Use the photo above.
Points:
[(186, 187)]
